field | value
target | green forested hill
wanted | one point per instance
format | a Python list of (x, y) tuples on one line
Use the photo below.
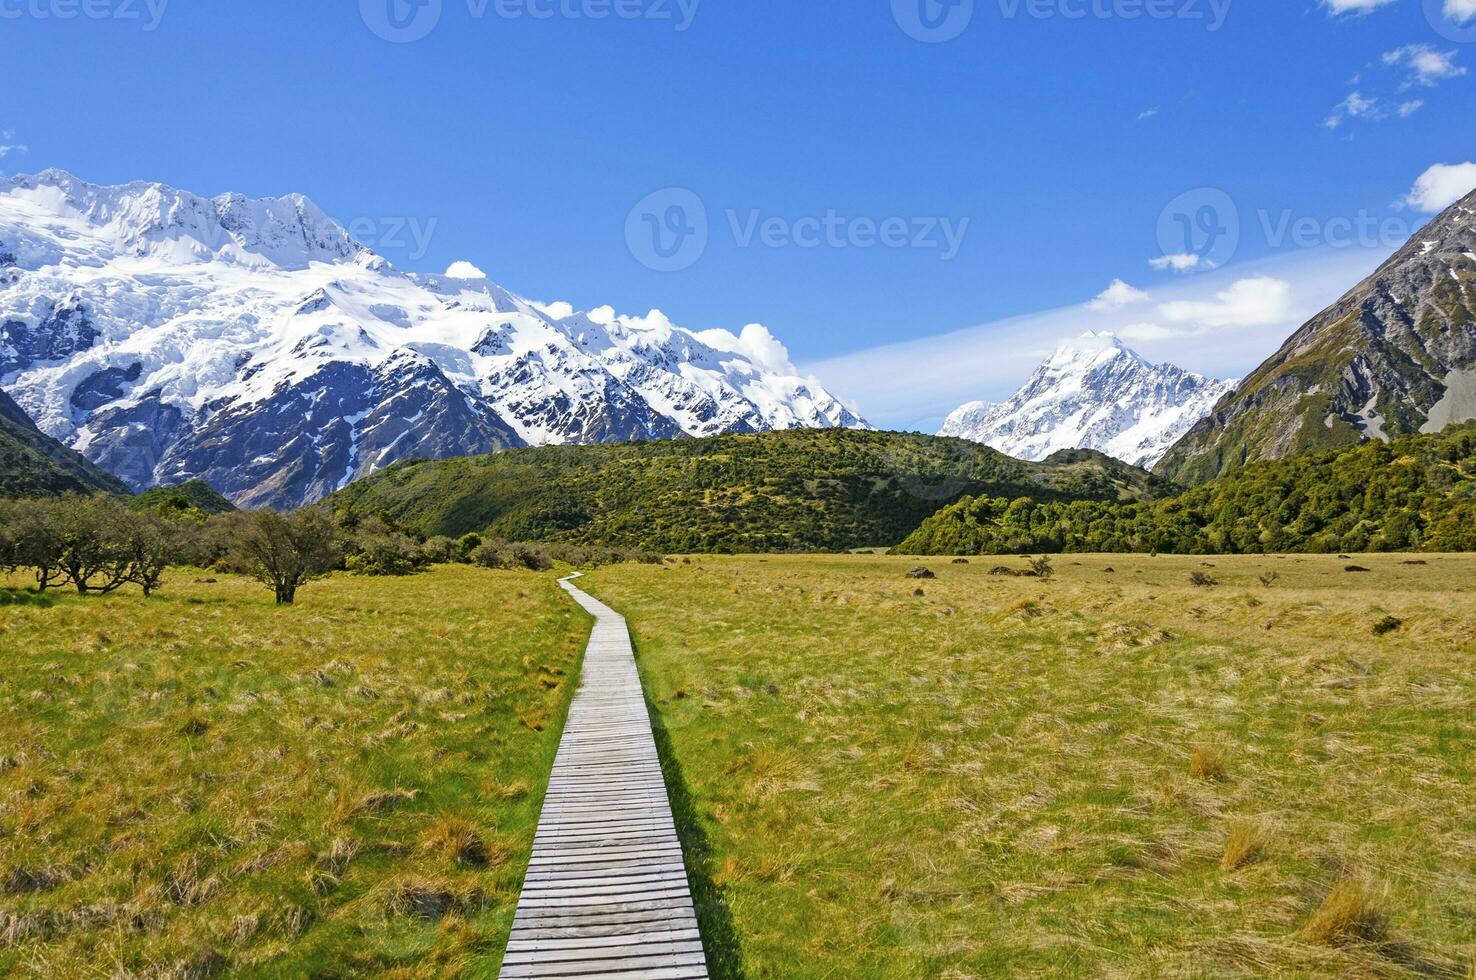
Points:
[(194, 497), (34, 464), (1416, 493), (779, 491)]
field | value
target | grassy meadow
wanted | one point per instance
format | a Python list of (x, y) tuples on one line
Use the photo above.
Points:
[(1114, 772), (203, 784)]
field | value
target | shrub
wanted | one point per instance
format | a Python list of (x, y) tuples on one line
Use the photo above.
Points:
[(440, 550), (386, 553), (1387, 625), (1202, 580)]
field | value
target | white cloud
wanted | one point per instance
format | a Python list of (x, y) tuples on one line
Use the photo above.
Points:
[(1250, 302), (1355, 106), (1182, 262), (1150, 113), (1354, 6), (1426, 65), (1410, 108), (1460, 11), (465, 270), (1441, 186), (1116, 296), (556, 310)]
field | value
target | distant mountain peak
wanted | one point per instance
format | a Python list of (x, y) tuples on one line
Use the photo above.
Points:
[(1093, 392)]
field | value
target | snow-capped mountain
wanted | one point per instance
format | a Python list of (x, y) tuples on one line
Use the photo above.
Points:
[(254, 344), (1093, 393)]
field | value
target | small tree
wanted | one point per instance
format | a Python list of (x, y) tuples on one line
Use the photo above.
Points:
[(152, 544), (93, 538), (34, 543), (284, 552), (1042, 567)]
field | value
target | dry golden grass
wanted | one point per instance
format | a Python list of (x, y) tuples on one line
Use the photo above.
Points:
[(995, 778), (1355, 909)]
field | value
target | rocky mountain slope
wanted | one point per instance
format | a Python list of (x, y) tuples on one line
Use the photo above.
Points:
[(255, 345), (1093, 393), (805, 490), (1395, 356), (34, 464)]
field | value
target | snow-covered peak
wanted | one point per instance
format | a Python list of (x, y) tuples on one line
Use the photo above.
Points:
[(151, 220), (1093, 392)]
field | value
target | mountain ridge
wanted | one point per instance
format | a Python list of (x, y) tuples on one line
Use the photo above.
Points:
[(1395, 355)]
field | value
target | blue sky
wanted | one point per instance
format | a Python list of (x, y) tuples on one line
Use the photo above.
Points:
[(1018, 169)]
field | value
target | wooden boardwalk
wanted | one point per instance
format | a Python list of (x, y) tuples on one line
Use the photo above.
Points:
[(606, 893)]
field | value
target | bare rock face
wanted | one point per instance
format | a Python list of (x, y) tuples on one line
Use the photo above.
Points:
[(255, 345), (1395, 356)]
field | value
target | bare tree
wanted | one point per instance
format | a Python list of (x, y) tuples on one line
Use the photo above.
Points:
[(284, 552)]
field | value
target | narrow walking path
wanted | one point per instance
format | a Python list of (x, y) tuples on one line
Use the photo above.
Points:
[(606, 893)]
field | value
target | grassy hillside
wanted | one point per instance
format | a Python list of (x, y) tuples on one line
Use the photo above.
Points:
[(195, 497), (781, 491), (1416, 493), (32, 464), (1112, 773), (202, 784)]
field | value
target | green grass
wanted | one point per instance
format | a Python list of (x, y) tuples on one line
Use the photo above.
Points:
[(201, 783), (1109, 773)]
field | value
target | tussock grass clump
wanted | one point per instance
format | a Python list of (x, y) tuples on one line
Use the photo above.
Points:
[(1355, 909), (1245, 844), (1208, 764), (456, 840), (421, 897)]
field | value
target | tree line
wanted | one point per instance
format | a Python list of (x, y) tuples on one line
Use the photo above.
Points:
[(100, 544), (1416, 493)]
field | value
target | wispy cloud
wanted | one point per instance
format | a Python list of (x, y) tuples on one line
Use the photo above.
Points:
[(7, 147), (1354, 7), (1355, 106), (1150, 113), (1460, 11), (1253, 302), (1427, 66), (1410, 108), (1179, 262)]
